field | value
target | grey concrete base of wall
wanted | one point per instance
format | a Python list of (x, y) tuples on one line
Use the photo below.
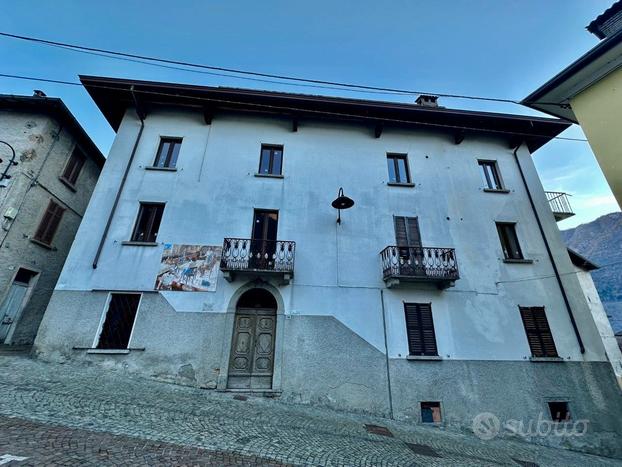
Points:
[(324, 363)]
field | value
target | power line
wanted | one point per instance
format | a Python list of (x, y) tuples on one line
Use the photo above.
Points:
[(341, 85), (294, 109), (549, 276)]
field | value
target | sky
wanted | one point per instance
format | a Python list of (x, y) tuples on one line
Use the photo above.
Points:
[(490, 48)]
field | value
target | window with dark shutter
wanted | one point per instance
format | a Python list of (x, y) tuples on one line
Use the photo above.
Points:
[(168, 151), (120, 317), (538, 331), (509, 240), (271, 160), (49, 223), (148, 222), (73, 167), (398, 168), (407, 231), (420, 329)]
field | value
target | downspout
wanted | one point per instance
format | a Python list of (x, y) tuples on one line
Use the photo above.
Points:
[(118, 196), (548, 250), (386, 353)]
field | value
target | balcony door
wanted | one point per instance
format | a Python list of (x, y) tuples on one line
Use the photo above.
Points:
[(408, 241), (263, 239)]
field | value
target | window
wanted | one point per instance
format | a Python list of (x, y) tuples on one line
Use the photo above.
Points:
[(148, 222), (167, 152), (490, 175), (73, 167), (559, 411), (49, 223), (120, 316), (420, 329), (398, 168), (509, 240), (538, 331), (431, 412), (271, 160)]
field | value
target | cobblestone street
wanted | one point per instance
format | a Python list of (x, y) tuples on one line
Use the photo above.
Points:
[(55, 414)]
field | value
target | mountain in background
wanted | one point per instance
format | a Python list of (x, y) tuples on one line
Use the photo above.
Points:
[(600, 241)]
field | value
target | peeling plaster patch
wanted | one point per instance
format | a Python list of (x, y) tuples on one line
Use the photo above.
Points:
[(28, 155), (30, 124), (187, 372), (38, 139)]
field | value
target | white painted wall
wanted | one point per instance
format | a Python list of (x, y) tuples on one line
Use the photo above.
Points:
[(338, 271)]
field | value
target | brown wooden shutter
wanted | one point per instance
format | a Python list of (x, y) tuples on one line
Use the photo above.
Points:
[(49, 223), (407, 231), (74, 166), (538, 332), (420, 329)]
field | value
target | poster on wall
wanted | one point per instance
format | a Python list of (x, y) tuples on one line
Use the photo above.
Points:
[(189, 268)]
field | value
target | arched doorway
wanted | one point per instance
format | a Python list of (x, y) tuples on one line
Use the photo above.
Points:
[(251, 361)]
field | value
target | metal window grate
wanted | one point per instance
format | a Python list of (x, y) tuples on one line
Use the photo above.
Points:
[(378, 430)]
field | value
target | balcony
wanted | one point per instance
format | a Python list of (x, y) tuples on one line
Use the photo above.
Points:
[(437, 266), (559, 205), (258, 258)]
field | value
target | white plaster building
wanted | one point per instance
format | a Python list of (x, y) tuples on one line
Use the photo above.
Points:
[(45, 187), (434, 329)]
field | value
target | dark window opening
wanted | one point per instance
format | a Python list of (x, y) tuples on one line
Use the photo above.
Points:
[(263, 239), (420, 329), (119, 321), (490, 175), (509, 240), (74, 166), (148, 222), (257, 298), (271, 160), (538, 331), (559, 411), (431, 412), (398, 168), (49, 223), (167, 152), (24, 275)]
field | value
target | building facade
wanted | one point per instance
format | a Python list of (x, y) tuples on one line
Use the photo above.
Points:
[(587, 92), (212, 254), (45, 186)]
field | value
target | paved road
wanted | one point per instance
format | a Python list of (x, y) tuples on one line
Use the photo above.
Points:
[(65, 414)]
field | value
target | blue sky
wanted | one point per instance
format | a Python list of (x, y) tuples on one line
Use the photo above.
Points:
[(488, 48)]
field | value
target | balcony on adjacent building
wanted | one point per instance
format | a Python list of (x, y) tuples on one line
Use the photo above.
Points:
[(560, 205), (258, 258), (436, 266)]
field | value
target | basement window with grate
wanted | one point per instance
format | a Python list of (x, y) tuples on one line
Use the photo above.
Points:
[(431, 412), (119, 321), (559, 411)]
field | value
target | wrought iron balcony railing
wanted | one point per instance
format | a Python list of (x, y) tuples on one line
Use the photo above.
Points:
[(560, 205), (245, 255), (419, 264)]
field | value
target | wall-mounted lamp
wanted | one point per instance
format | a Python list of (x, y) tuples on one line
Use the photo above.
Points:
[(342, 202), (11, 163)]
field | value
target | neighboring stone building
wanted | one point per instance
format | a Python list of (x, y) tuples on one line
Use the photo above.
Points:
[(588, 92), (584, 267), (211, 255), (44, 191)]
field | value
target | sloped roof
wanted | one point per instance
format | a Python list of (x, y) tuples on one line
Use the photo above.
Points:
[(113, 96)]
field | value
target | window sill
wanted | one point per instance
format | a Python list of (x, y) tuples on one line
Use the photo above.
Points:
[(44, 245), (518, 261), (492, 190), (161, 169), (546, 359), (131, 243), (68, 184), (405, 185), (424, 357), (109, 351), (268, 176)]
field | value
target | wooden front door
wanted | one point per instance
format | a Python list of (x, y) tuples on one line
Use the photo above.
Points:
[(252, 349)]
